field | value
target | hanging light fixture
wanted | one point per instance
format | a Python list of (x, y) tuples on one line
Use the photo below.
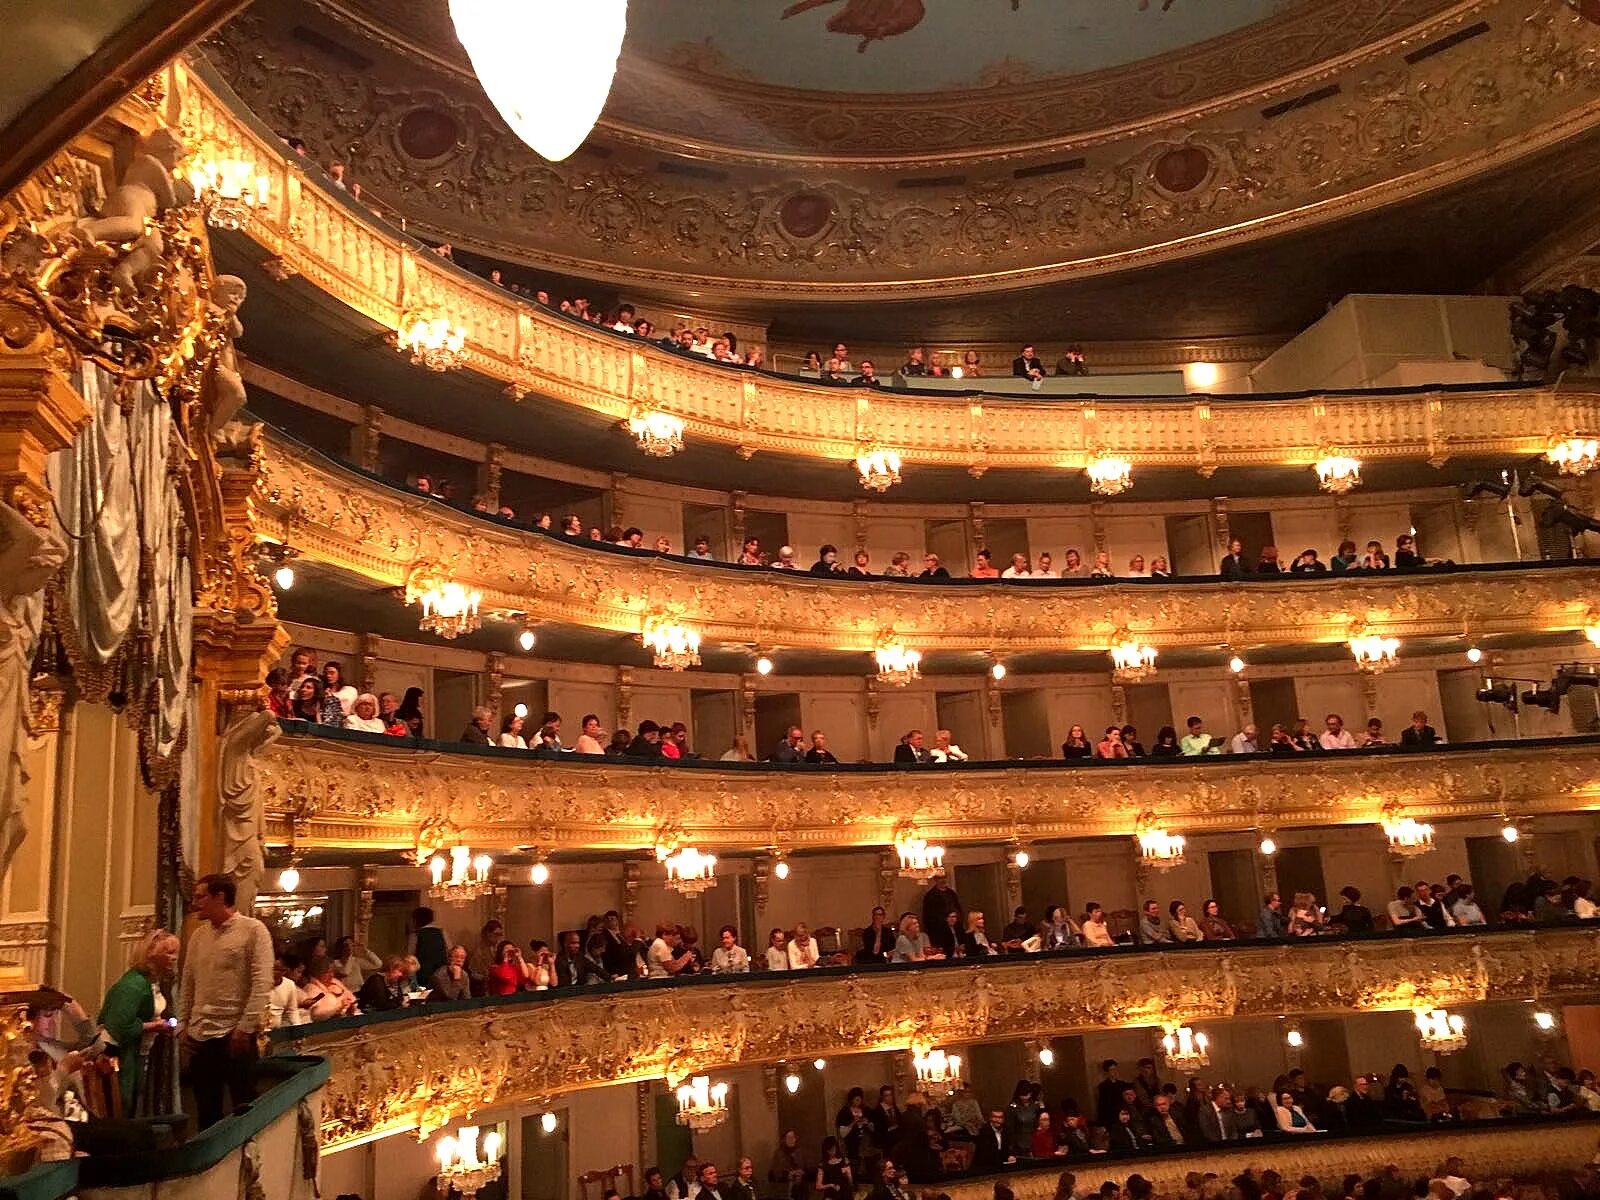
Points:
[(1510, 832), (763, 665), (546, 65), (526, 639), (998, 671), (1544, 1021), (1185, 1049), (688, 871), (539, 873), (549, 1121), (1591, 630), (702, 1105), (433, 341), (1047, 1056), (937, 1072), (879, 469), (1441, 1031), (1338, 474), (460, 1168), (659, 434), (1109, 475), (1373, 653), (449, 609), (919, 860), (1574, 455), (1160, 850), (468, 878), (791, 1083), (1475, 655), (1407, 836), (289, 879), (1132, 662), (1236, 665), (898, 665), (228, 190), (676, 647)]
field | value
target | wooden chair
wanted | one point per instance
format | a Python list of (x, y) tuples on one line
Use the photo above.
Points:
[(606, 1179), (1122, 922)]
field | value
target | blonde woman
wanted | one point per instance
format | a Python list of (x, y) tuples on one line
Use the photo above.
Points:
[(134, 1012), (1305, 918)]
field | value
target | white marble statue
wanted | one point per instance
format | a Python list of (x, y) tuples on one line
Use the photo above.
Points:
[(239, 798)]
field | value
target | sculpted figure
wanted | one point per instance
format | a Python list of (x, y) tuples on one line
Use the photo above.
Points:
[(227, 294), (239, 795), (147, 189), (29, 556)]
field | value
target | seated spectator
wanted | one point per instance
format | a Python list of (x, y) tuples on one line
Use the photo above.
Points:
[(1346, 559), (877, 939), (308, 700), (913, 945), (1434, 913), (1045, 567), (647, 743), (750, 554), (944, 750), (791, 749), (860, 568), (827, 564), (868, 375), (1213, 926), (1197, 741), (1403, 911), (1374, 735), (1096, 933), (1072, 565), (729, 958), (1153, 931), (509, 972), (785, 560), (1280, 742), (915, 365), (701, 550), (900, 566), (1028, 365), (279, 702), (1336, 736), (1166, 743), (777, 951), (911, 749), (1018, 568), (667, 956), (1136, 568), (1244, 742), (1130, 739), (819, 752), (1419, 733), (477, 731), (1058, 931), (930, 567), (839, 368), (1306, 918), (1270, 923), (1406, 557), (945, 936), (1234, 565), (451, 981), (285, 1003), (511, 732), (975, 941), (1303, 736), (621, 742), (1308, 564), (1110, 746), (1102, 567), (326, 995), (663, 545), (1267, 564), (1181, 925), (1159, 568), (1291, 1117), (364, 716), (983, 566), (1464, 908), (1374, 559), (1072, 362), (385, 990), (971, 368), (812, 364), (739, 751), (1354, 917), (803, 952), (669, 748), (592, 739)]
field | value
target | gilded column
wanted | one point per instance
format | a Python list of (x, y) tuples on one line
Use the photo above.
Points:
[(624, 698), (1097, 525), (371, 647), (735, 523), (630, 890), (1219, 522), (489, 472), (365, 438), (618, 509), (494, 666), (975, 517), (368, 885), (858, 509), (747, 708)]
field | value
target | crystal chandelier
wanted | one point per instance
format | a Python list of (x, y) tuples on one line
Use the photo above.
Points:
[(880, 469), (1159, 849), (547, 65), (459, 1165), (1185, 1050), (897, 665), (1440, 1031), (228, 190), (702, 1105), (448, 608), (1574, 456), (468, 879), (1374, 653), (676, 647), (688, 871), (659, 434), (1132, 662), (1109, 476), (918, 859), (937, 1072), (1591, 630), (1338, 474), (432, 341), (1407, 836)]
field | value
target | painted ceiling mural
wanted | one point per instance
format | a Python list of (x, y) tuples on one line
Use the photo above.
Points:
[(877, 46)]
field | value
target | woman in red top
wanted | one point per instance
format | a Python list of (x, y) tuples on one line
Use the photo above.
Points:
[(508, 973), (1043, 1144)]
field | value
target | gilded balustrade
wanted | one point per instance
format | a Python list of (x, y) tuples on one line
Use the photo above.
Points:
[(380, 533), (379, 273), (421, 1072), (367, 792)]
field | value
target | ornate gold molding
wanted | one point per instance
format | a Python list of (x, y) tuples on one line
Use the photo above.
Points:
[(1396, 130), (424, 1072), (380, 534), (339, 794)]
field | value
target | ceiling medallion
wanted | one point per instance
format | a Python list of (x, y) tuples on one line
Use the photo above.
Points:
[(1132, 662), (1338, 474), (1575, 455), (701, 1104), (1109, 476), (1185, 1049), (547, 66), (897, 665), (431, 340), (1373, 653), (1441, 1031), (688, 871), (676, 647), (449, 609), (879, 469), (461, 1169), (228, 191), (659, 434), (468, 878)]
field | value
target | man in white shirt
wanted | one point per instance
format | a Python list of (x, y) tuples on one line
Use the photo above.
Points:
[(1244, 742), (803, 952), (944, 750), (283, 1002), (1018, 568), (1336, 736), (666, 956), (227, 979), (729, 958)]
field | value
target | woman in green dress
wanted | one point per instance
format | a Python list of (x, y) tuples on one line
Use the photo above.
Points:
[(133, 1013)]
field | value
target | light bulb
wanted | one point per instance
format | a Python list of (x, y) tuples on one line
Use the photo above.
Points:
[(491, 1146), (819, 1063), (956, 373), (792, 1082), (1022, 859), (998, 671), (446, 1151), (763, 665), (284, 577), (1268, 846), (521, 710), (1545, 1021), (1510, 832), (1474, 655), (1236, 665), (781, 869), (1295, 1038), (540, 875), (548, 1122), (288, 879), (525, 639), (1047, 1056)]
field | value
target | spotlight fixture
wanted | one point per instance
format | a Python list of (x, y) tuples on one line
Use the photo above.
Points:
[(1021, 858), (702, 1105), (468, 877), (1504, 692), (1159, 849), (1201, 375), (1109, 475), (449, 609), (688, 871), (919, 861), (1407, 836), (938, 1073), (1295, 1038), (1441, 1031), (460, 1168), (1185, 1049), (675, 647), (1546, 1021), (1132, 662), (526, 639), (521, 710)]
